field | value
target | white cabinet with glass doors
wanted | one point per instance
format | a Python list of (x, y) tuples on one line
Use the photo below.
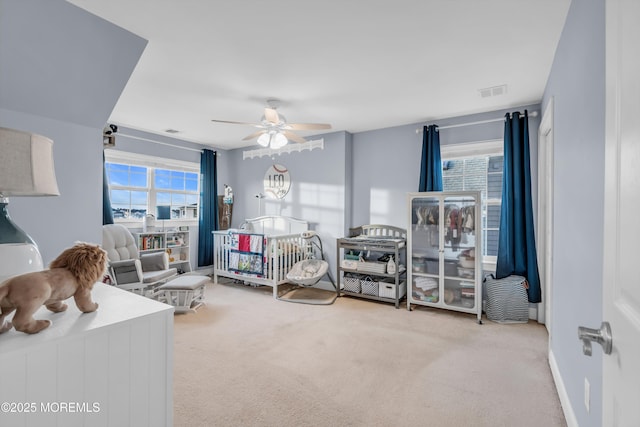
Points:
[(444, 251)]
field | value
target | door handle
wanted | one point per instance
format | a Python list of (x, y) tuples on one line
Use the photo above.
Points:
[(602, 336)]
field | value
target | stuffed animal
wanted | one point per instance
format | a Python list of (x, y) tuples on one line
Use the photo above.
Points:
[(72, 273)]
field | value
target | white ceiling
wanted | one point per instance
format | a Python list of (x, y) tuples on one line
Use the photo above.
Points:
[(358, 65)]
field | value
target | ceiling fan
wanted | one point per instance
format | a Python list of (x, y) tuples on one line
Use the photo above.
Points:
[(274, 131)]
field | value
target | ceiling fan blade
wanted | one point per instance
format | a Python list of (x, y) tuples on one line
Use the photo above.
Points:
[(271, 116), (308, 126), (254, 135), (293, 137), (258, 125)]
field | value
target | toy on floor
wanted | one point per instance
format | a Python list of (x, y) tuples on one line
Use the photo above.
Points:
[(72, 273)]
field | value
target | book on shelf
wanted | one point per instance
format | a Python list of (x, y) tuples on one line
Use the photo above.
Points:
[(150, 242)]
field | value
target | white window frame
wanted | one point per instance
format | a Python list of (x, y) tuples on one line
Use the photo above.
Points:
[(466, 150), (152, 162)]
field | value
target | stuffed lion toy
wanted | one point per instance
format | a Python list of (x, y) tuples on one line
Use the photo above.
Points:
[(72, 273)]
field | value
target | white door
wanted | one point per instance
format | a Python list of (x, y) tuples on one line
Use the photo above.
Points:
[(621, 281)]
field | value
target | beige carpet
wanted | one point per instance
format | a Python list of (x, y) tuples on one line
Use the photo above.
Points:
[(246, 359)]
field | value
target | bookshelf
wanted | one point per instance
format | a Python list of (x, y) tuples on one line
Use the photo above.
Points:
[(174, 242)]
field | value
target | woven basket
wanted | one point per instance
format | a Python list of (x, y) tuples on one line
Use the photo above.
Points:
[(352, 284), (370, 286)]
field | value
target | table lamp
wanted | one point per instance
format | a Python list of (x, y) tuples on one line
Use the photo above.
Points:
[(26, 169), (164, 212)]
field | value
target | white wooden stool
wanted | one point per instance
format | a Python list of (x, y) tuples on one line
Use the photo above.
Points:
[(185, 293)]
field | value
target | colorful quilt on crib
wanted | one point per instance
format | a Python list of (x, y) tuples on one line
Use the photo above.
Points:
[(247, 253)]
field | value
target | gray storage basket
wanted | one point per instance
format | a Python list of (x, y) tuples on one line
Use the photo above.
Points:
[(506, 299), (351, 284), (369, 286)]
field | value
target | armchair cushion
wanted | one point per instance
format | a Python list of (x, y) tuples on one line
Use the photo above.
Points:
[(155, 276), (126, 271), (155, 261), (119, 243), (155, 267)]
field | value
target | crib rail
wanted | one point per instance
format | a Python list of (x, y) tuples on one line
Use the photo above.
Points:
[(281, 252)]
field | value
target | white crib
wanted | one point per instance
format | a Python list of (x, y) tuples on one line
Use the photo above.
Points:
[(283, 249)]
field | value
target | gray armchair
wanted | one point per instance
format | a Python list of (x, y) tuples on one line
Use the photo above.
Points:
[(129, 270)]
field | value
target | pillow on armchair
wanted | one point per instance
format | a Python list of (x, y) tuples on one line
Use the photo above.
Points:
[(155, 266)]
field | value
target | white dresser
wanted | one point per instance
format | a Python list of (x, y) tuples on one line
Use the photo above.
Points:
[(113, 367)]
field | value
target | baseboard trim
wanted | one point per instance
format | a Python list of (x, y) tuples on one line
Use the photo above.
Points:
[(562, 392), (204, 271)]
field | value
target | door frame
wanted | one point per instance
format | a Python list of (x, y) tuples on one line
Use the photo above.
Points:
[(545, 214)]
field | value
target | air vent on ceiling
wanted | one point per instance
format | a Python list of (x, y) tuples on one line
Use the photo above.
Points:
[(493, 91), (171, 131)]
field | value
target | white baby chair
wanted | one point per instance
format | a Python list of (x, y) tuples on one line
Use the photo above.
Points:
[(308, 272)]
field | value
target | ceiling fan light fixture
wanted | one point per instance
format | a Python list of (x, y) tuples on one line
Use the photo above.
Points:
[(275, 132), (278, 141), (264, 139)]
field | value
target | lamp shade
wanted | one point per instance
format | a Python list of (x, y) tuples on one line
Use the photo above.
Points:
[(279, 141), (264, 139), (164, 212), (26, 169), (26, 164)]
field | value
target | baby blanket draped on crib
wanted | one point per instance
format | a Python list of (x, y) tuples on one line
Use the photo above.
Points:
[(247, 254)]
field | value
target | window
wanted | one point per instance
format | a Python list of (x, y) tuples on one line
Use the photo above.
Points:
[(138, 186), (478, 167)]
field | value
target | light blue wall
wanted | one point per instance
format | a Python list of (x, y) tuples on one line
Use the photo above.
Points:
[(577, 85), (62, 71)]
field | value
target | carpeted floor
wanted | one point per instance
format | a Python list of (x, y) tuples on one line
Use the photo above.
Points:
[(246, 359)]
